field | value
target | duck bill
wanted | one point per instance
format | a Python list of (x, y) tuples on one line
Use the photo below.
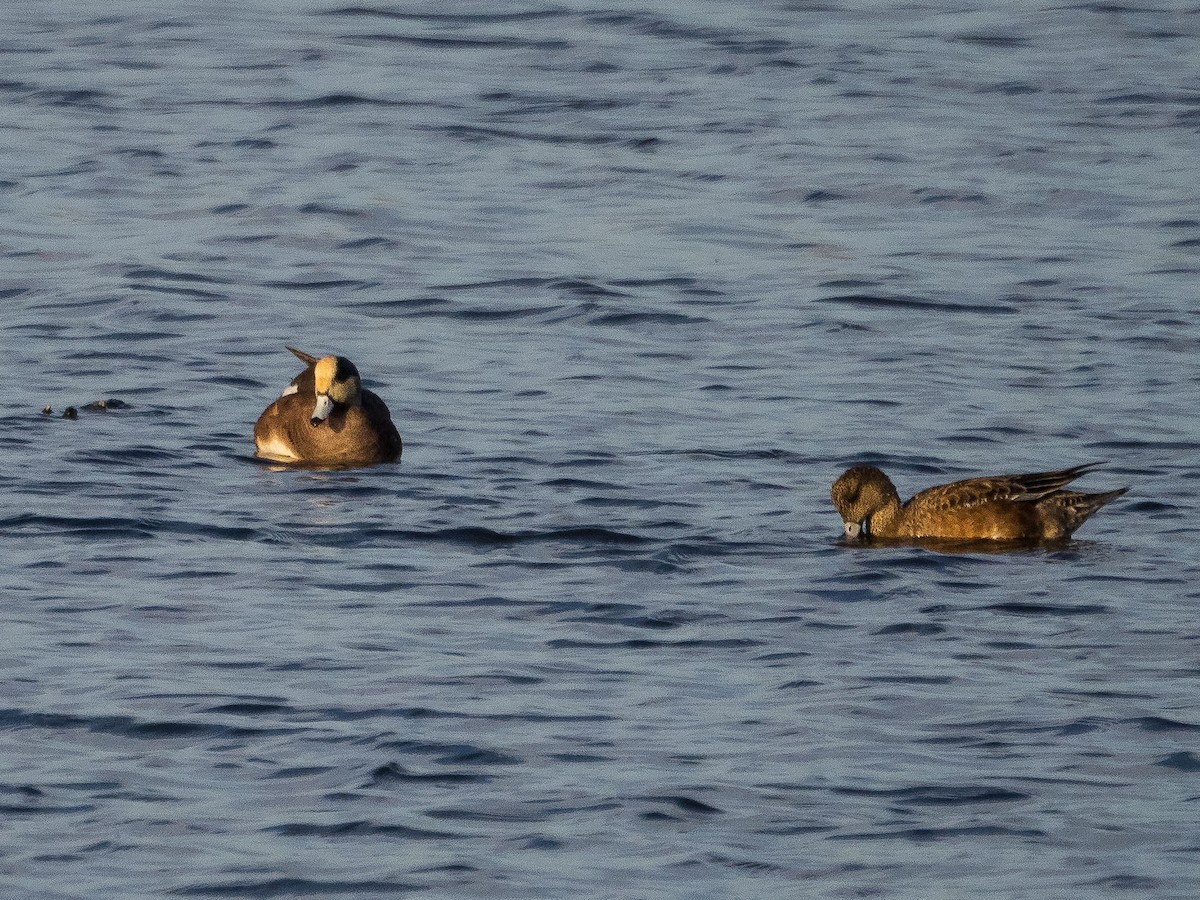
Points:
[(322, 410)]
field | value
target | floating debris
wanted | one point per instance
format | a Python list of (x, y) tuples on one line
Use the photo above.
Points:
[(95, 406), (106, 405)]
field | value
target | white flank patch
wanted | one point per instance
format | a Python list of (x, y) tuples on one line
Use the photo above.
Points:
[(290, 389), (274, 448)]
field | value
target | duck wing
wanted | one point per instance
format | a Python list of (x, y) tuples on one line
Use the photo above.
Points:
[(1024, 488)]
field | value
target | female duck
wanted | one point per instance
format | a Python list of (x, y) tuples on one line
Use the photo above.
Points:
[(1031, 508), (326, 418)]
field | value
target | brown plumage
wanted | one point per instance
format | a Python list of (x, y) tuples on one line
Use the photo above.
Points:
[(1030, 508), (326, 418)]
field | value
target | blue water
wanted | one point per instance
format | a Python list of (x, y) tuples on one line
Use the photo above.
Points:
[(637, 284)]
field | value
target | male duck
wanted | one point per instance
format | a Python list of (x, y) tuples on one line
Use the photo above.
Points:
[(326, 418), (1031, 508)]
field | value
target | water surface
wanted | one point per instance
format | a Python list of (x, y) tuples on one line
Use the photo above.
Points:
[(637, 283)]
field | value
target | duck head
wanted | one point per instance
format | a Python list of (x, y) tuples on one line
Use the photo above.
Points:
[(338, 386), (860, 493)]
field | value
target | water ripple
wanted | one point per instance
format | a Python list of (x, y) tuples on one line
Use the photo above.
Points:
[(635, 284)]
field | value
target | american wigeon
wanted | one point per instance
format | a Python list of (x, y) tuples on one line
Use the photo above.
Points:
[(1031, 508), (326, 418)]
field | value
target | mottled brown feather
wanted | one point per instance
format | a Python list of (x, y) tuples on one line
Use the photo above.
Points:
[(1027, 507), (991, 488)]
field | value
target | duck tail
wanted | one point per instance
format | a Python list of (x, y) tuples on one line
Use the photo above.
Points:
[(306, 358), (1077, 508)]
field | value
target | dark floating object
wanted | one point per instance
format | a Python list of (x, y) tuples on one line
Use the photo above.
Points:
[(95, 406), (106, 405)]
